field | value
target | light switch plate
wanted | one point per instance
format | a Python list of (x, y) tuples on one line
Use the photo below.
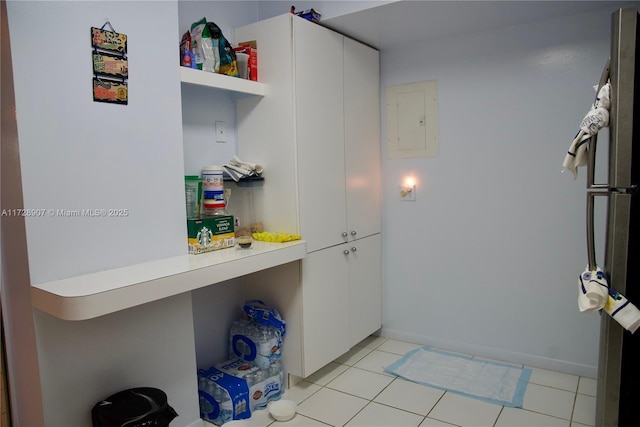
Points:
[(221, 132)]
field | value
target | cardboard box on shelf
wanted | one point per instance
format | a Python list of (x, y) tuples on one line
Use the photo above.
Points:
[(210, 233), (251, 48)]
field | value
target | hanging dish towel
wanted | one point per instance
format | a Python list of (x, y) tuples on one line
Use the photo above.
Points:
[(625, 313), (590, 298), (593, 291), (596, 119)]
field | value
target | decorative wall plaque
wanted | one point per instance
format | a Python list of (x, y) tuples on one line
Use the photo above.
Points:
[(110, 65)]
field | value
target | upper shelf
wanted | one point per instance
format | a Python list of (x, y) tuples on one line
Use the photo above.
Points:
[(96, 294), (247, 181), (220, 81)]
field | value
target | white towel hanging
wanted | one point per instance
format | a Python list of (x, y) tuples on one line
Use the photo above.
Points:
[(596, 119)]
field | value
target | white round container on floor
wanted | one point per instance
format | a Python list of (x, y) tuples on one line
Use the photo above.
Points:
[(282, 410)]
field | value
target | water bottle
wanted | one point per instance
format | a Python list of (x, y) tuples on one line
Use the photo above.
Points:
[(265, 344), (276, 342), (276, 370), (235, 330), (242, 406), (272, 386), (258, 398), (243, 340), (206, 400), (224, 403), (258, 376)]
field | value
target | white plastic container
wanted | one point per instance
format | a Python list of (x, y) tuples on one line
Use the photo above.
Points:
[(213, 191), (282, 410)]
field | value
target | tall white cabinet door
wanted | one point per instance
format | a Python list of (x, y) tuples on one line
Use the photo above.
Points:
[(365, 288), (325, 307), (319, 121), (362, 138)]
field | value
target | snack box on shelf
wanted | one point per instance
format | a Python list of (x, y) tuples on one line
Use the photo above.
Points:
[(210, 233)]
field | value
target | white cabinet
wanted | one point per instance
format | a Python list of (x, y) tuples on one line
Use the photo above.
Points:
[(365, 288), (317, 134), (319, 127), (362, 139), (325, 307), (341, 299), (337, 136)]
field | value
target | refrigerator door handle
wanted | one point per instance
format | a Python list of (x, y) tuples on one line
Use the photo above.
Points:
[(591, 245), (591, 167), (593, 189)]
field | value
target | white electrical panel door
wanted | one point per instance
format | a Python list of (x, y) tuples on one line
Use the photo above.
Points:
[(412, 120)]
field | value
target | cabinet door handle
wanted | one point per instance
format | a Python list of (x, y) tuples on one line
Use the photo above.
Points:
[(344, 234), (353, 233), (346, 252), (353, 249)]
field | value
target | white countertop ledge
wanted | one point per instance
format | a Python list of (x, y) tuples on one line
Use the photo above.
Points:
[(96, 294)]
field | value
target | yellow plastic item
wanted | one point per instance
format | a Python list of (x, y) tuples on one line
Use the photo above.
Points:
[(267, 236)]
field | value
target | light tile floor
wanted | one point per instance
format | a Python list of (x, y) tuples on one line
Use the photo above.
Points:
[(354, 391)]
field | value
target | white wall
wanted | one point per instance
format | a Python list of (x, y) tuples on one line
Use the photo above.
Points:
[(77, 154), (80, 154), (487, 259)]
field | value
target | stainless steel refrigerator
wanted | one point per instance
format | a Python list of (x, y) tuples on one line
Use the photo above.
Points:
[(618, 392)]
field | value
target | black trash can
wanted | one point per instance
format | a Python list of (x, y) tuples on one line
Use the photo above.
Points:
[(136, 407)]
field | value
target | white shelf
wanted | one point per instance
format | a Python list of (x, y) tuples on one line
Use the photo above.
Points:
[(96, 294), (220, 81)]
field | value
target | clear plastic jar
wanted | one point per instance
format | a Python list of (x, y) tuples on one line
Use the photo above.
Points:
[(213, 202), (213, 207)]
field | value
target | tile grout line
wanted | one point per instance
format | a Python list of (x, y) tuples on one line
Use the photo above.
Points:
[(498, 417)]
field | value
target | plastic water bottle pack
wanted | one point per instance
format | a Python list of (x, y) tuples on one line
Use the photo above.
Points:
[(233, 389), (222, 397), (254, 342), (253, 376), (265, 385)]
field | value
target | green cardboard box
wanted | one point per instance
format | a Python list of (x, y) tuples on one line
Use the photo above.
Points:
[(210, 234)]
